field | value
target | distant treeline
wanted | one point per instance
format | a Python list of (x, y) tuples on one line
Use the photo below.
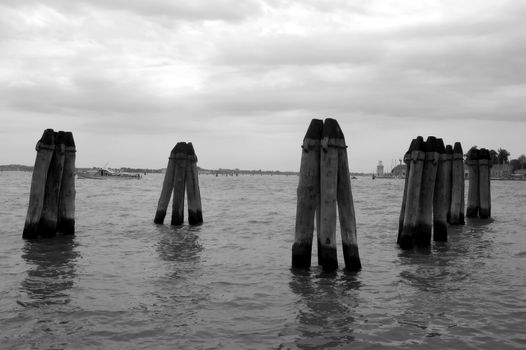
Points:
[(15, 167)]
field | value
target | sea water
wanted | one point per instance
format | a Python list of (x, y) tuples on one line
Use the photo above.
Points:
[(123, 282)]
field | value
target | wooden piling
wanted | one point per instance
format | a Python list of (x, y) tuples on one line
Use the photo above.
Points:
[(47, 226), (442, 196), (413, 193), (166, 191), (66, 209), (407, 161), (346, 212), (456, 216), (308, 194), (45, 148), (328, 197), (179, 183), (424, 220), (484, 183), (195, 213), (472, 210)]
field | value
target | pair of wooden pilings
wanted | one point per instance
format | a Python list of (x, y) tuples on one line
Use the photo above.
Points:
[(433, 192), (479, 196), (52, 196), (181, 174), (324, 182)]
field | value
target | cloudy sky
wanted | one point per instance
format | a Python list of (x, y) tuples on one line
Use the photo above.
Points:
[(242, 79)]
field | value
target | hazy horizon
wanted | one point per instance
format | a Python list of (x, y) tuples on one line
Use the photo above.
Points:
[(242, 81)]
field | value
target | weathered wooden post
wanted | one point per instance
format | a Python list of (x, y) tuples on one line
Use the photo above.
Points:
[(346, 212), (166, 191), (484, 183), (66, 209), (308, 193), (472, 210), (195, 212), (424, 220), (413, 193), (328, 196), (407, 161), (45, 147), (48, 220), (456, 216), (449, 152), (179, 183), (442, 196)]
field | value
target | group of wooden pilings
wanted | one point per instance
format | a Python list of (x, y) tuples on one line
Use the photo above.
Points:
[(51, 206), (324, 182), (479, 196), (181, 174), (433, 192)]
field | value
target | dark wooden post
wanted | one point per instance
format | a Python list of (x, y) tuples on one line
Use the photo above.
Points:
[(328, 184), (456, 216), (413, 193), (45, 147), (407, 161), (346, 212), (166, 191), (66, 209), (179, 183), (472, 210), (424, 220), (308, 194), (484, 183), (442, 194), (48, 220), (195, 212)]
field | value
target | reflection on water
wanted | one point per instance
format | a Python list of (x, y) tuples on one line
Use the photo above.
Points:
[(326, 308), (52, 270)]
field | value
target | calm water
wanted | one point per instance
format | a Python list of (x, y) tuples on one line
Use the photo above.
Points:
[(124, 283)]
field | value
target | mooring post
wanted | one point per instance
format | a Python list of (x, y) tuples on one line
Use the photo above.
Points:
[(424, 220), (48, 220), (449, 152), (179, 183), (413, 193), (456, 216), (407, 161), (166, 191), (346, 212), (484, 183), (328, 196), (308, 194), (66, 209), (45, 147), (472, 210), (195, 212), (442, 194)]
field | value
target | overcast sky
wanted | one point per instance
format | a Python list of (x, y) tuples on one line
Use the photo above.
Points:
[(242, 79)]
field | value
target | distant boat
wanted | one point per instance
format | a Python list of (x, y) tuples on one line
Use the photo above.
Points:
[(105, 173)]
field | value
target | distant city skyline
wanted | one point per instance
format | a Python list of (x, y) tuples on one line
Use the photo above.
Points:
[(242, 80)]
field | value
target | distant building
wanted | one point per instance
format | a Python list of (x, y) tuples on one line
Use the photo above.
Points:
[(380, 169), (500, 170), (399, 171)]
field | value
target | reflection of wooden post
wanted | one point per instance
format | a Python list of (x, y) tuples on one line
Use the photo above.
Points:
[(413, 193), (308, 193), (484, 183), (166, 191), (66, 209), (346, 212), (424, 221), (407, 161), (472, 210), (179, 183), (442, 194), (456, 216), (44, 148), (48, 220), (195, 213), (328, 183)]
